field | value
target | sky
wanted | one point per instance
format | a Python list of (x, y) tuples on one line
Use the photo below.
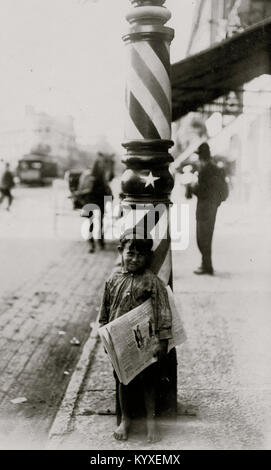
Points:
[(66, 57)]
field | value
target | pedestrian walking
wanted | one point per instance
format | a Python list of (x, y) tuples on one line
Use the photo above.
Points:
[(127, 288), (95, 189), (6, 184), (211, 189)]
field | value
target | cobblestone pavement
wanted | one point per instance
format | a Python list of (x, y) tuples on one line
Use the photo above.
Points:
[(224, 378), (35, 360)]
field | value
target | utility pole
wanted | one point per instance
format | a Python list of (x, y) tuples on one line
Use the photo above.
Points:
[(146, 181)]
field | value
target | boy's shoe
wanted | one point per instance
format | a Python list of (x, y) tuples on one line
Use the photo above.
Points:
[(209, 271)]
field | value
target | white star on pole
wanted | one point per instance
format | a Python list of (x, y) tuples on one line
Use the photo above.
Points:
[(150, 179)]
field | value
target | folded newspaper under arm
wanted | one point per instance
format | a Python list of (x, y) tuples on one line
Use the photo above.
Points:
[(178, 332), (130, 340)]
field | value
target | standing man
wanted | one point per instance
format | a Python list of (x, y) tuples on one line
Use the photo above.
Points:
[(94, 187), (6, 184), (210, 190)]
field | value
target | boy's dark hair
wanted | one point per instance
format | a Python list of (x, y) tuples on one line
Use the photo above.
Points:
[(139, 240)]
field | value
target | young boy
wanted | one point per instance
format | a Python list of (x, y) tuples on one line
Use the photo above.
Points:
[(125, 290)]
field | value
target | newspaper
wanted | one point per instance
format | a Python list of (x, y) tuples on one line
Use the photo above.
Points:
[(130, 340), (178, 332)]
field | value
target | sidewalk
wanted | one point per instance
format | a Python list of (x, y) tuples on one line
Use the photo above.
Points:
[(37, 323), (224, 377)]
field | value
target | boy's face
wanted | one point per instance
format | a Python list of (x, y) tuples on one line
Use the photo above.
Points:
[(133, 260)]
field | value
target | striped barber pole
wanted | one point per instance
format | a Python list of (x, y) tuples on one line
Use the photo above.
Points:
[(148, 91), (148, 127), (146, 181)]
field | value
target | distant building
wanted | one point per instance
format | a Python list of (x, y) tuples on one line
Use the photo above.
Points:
[(38, 132)]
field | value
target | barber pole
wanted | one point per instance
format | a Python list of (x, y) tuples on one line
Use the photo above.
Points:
[(147, 182)]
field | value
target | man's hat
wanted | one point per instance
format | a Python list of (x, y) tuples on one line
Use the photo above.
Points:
[(204, 151)]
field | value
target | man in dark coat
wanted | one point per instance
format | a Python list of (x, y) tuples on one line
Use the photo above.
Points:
[(209, 191), (95, 189), (6, 184)]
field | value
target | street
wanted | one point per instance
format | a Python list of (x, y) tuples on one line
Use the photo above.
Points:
[(48, 294)]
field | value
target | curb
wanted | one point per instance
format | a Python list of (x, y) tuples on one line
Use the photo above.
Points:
[(62, 423)]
